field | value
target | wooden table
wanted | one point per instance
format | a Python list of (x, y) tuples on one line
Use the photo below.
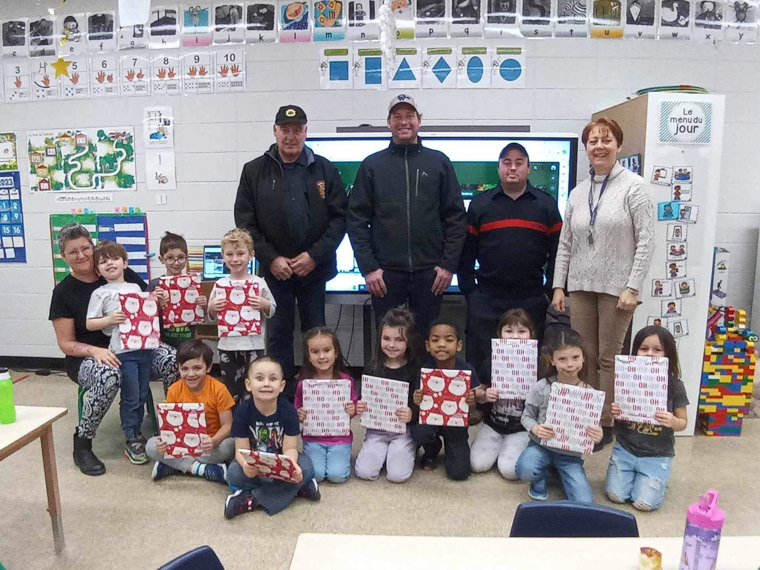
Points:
[(336, 552), (34, 422)]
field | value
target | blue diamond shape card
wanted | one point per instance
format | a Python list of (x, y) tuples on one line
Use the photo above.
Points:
[(335, 68), (369, 68), (507, 67), (406, 69), (329, 20), (466, 18), (439, 68), (474, 68), (294, 21)]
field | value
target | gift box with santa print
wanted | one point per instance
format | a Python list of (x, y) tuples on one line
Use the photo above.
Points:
[(571, 410), (181, 427), (383, 397), (325, 403), (514, 366), (238, 318), (444, 397), (272, 465), (641, 387), (141, 330), (182, 309)]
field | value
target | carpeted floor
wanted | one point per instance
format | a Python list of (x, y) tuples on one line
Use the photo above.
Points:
[(124, 520)]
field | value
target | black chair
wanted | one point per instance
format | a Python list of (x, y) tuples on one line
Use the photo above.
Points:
[(559, 519), (202, 558)]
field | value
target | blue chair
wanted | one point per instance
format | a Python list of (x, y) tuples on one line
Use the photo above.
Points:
[(202, 558), (559, 519)]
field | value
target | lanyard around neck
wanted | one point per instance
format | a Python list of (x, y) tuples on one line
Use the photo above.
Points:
[(593, 210)]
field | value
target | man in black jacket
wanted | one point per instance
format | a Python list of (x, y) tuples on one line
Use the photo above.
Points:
[(294, 204), (406, 220)]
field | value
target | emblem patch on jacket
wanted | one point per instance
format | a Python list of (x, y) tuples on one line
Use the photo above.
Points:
[(321, 188)]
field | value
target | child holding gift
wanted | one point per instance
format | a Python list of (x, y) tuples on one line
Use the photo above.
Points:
[(502, 436), (197, 387), (643, 454), (237, 352), (269, 423), (567, 359), (104, 314), (443, 344), (394, 358), (323, 360)]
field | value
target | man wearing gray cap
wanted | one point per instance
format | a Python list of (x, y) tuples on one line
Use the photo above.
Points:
[(406, 220)]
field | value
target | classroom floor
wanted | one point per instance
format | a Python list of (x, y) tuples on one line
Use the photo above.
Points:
[(124, 520)]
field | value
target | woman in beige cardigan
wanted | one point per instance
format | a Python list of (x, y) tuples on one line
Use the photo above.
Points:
[(604, 253)]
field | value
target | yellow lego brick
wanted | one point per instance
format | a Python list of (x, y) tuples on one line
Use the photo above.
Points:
[(708, 409), (734, 400)]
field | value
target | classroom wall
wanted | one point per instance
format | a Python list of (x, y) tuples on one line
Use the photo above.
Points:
[(567, 80)]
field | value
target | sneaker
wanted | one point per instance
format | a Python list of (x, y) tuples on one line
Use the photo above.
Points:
[(428, 463), (215, 472), (607, 437), (538, 491), (161, 470), (310, 491), (241, 501), (135, 451)]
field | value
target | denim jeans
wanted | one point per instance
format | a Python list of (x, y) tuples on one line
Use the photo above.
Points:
[(413, 287), (641, 480), (331, 462), (135, 383), (535, 460)]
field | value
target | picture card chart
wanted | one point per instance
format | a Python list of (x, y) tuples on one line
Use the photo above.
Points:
[(271, 465), (181, 427), (230, 71), (571, 410), (325, 402), (444, 395), (104, 76), (641, 387), (131, 231), (182, 308), (12, 233), (514, 367), (383, 397), (238, 318), (141, 330)]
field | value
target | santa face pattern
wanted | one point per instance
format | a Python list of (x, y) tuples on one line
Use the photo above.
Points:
[(444, 397), (271, 465), (514, 366), (571, 410), (238, 318), (325, 403), (182, 308), (383, 397), (641, 387), (141, 330), (181, 427)]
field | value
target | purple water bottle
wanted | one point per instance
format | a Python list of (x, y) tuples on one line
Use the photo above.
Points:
[(701, 540)]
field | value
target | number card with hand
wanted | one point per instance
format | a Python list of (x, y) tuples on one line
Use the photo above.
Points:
[(571, 410), (135, 76), (76, 83), (230, 71), (271, 465), (383, 397), (181, 427), (444, 395), (182, 309), (141, 330), (641, 387), (165, 75), (198, 73), (104, 76), (325, 402), (514, 366), (238, 318)]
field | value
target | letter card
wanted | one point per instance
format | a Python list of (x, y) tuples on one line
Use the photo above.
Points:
[(444, 395), (641, 387), (514, 366), (571, 410), (383, 397), (325, 402), (181, 427)]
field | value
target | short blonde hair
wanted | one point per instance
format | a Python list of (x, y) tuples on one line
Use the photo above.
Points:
[(238, 236)]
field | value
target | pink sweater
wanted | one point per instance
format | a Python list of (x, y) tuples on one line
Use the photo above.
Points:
[(327, 439)]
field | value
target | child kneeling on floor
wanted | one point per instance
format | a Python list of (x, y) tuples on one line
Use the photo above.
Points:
[(195, 386), (266, 423)]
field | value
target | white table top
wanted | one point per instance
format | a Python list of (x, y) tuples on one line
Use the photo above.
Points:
[(28, 419), (336, 552)]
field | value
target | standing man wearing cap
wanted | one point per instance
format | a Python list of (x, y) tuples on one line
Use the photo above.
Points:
[(406, 220), (512, 232), (294, 204)]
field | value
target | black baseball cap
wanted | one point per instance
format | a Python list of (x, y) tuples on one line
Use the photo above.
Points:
[(290, 114), (514, 146)]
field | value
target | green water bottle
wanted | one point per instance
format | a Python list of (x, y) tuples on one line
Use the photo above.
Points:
[(7, 409)]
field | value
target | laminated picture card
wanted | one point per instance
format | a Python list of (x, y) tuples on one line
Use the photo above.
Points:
[(444, 395), (141, 330), (271, 465), (641, 387), (182, 308), (571, 410), (238, 318), (383, 397), (325, 402), (181, 427), (514, 366)]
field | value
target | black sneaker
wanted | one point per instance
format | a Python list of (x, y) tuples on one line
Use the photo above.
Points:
[(428, 463), (239, 502), (85, 459), (161, 470), (310, 491), (134, 450), (215, 472), (607, 437)]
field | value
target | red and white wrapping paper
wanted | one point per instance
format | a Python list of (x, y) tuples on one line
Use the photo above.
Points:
[(571, 410), (444, 395), (141, 330), (272, 465), (182, 308), (641, 387), (325, 402), (383, 397), (238, 318), (181, 427), (514, 367)]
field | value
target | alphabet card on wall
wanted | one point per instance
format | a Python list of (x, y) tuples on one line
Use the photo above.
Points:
[(230, 71), (465, 18), (325, 402), (675, 19), (329, 20), (237, 318), (45, 84), (165, 74), (431, 19), (403, 14), (501, 19), (641, 387), (261, 20), (182, 308), (160, 170), (14, 37), (571, 410), (444, 395), (229, 24), (641, 19), (607, 19), (383, 397), (41, 37), (438, 65), (135, 76), (741, 21), (198, 73), (181, 427), (473, 69), (104, 76), (271, 465), (141, 330), (75, 82), (369, 68), (406, 71), (507, 67), (196, 30), (294, 21), (537, 18), (514, 366), (572, 19), (133, 37), (363, 23), (164, 28), (18, 82), (708, 21), (101, 35), (335, 68)]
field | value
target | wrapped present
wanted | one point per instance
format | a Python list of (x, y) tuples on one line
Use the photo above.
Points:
[(141, 330), (514, 367), (272, 465), (238, 318), (571, 410), (444, 395), (181, 427), (383, 397), (325, 402), (182, 308), (641, 387)]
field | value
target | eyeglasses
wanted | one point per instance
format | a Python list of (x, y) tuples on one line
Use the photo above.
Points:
[(86, 250), (171, 259)]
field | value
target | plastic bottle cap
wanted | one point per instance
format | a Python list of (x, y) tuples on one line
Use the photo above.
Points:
[(705, 513), (4, 374)]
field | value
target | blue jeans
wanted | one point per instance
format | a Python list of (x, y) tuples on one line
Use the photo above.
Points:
[(413, 288), (135, 383), (642, 480), (331, 462), (535, 460)]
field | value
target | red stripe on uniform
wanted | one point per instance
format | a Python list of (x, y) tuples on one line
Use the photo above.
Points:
[(501, 224), (473, 230), (555, 228)]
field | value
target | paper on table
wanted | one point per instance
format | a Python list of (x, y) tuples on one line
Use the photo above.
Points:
[(444, 395), (325, 402), (133, 12), (383, 397), (641, 387), (271, 465), (571, 410), (514, 366), (181, 427)]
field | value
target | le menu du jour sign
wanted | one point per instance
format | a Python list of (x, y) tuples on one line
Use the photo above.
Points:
[(685, 122)]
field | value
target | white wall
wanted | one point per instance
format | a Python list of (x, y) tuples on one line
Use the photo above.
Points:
[(567, 80)]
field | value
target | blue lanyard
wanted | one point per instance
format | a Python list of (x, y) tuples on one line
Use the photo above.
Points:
[(593, 210)]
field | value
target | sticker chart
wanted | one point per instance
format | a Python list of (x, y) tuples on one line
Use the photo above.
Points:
[(181, 427), (514, 366), (444, 395), (383, 398), (325, 402), (571, 410), (641, 387)]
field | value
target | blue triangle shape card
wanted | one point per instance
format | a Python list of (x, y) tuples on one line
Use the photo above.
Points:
[(407, 69), (438, 68)]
